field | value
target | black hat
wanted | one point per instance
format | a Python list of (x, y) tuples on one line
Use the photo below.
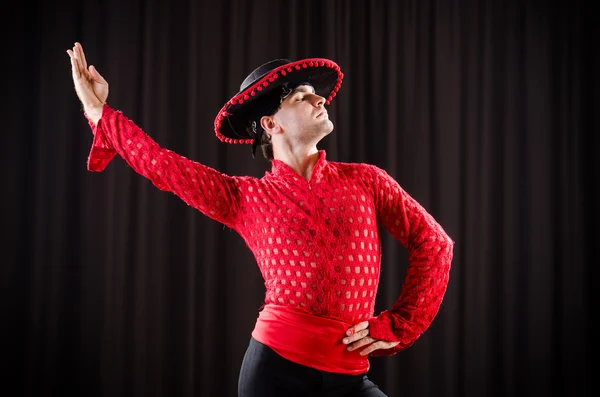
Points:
[(232, 121)]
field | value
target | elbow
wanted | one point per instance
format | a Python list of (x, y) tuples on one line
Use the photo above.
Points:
[(449, 243), (448, 249), (446, 241)]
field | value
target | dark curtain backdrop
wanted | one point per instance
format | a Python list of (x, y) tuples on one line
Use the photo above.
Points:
[(482, 110)]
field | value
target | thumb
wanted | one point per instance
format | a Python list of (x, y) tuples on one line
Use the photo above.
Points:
[(97, 76)]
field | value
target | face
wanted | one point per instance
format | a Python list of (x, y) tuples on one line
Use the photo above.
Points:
[(301, 118)]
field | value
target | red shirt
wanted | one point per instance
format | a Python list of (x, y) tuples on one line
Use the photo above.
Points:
[(316, 242)]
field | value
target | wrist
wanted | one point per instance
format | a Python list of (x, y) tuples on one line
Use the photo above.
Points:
[(94, 113)]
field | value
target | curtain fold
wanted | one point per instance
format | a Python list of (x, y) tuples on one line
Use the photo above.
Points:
[(483, 111)]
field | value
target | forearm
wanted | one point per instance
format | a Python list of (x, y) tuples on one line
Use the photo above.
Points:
[(422, 292), (211, 192), (430, 255)]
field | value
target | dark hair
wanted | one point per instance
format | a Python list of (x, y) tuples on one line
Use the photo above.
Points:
[(267, 106)]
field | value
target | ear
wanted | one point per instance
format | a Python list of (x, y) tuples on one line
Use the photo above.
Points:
[(269, 124)]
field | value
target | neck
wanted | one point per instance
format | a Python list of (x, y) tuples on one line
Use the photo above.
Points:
[(301, 160)]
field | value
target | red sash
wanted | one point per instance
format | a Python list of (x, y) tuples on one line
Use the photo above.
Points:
[(308, 340)]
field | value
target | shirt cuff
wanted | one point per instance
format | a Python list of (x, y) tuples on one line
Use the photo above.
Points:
[(102, 152), (380, 329)]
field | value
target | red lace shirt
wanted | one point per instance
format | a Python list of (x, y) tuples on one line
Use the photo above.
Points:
[(316, 242)]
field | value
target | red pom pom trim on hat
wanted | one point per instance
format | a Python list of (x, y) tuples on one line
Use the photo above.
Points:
[(264, 82)]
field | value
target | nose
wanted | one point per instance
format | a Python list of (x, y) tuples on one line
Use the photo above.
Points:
[(318, 101)]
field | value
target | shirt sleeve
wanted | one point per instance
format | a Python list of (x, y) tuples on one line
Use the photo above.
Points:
[(211, 192), (430, 255)]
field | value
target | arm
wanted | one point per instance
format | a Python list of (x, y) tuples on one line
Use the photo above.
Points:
[(206, 189), (214, 194), (430, 255)]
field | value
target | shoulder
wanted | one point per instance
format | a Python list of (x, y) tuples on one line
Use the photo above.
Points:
[(365, 171), (354, 168)]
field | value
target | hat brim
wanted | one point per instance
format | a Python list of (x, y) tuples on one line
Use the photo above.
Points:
[(323, 74)]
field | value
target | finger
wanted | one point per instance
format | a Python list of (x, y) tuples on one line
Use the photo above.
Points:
[(360, 343), (372, 347), (378, 345), (358, 327), (74, 68), (356, 336), (81, 55), (83, 72), (77, 61), (80, 62)]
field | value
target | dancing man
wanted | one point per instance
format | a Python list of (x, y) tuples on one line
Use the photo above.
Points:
[(312, 225)]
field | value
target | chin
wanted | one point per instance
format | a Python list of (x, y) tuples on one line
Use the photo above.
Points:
[(323, 130)]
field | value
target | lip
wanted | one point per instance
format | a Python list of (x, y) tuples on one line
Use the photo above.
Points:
[(321, 114)]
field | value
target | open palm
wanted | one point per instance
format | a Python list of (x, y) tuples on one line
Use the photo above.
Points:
[(90, 86)]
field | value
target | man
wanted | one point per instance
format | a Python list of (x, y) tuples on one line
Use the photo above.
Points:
[(312, 225)]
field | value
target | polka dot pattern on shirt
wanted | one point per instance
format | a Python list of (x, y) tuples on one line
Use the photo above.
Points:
[(317, 242)]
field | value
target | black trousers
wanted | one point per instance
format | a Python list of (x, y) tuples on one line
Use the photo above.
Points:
[(265, 373)]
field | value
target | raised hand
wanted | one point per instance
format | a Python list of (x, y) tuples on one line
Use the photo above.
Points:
[(90, 86)]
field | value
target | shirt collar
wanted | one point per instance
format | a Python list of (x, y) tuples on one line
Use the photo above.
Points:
[(279, 168)]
